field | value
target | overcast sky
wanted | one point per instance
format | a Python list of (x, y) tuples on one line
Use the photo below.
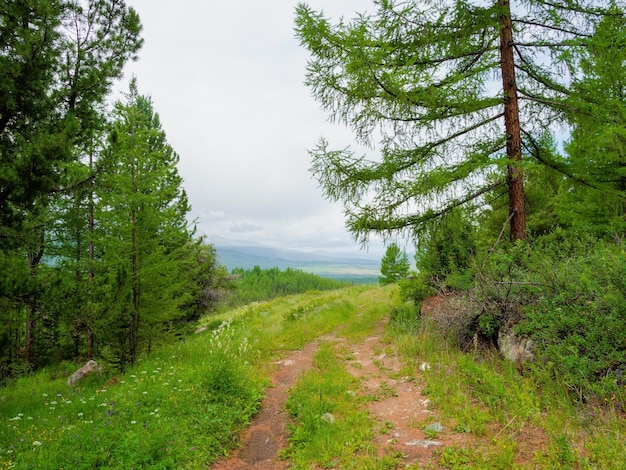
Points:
[(226, 78)]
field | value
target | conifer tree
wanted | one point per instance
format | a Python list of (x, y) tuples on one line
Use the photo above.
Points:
[(596, 199), (143, 234), (450, 91), (394, 265), (58, 59)]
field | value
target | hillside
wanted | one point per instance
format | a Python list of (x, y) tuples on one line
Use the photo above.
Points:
[(364, 384)]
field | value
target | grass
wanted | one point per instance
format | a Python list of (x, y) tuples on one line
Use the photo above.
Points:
[(182, 407), (185, 405), (523, 420)]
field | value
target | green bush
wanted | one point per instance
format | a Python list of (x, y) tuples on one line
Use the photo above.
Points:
[(579, 324), (566, 291)]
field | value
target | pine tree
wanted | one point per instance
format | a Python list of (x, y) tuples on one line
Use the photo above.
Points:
[(58, 60), (452, 92)]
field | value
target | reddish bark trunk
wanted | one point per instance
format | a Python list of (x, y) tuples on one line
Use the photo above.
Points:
[(515, 179)]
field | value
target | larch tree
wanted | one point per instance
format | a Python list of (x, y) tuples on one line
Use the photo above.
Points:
[(58, 60), (143, 238), (452, 93)]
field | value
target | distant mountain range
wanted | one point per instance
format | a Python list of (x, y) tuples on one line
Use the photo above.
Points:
[(322, 264)]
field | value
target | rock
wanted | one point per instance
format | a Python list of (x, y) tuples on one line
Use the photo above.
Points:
[(328, 418), (88, 368), (423, 443), (435, 427), (515, 348)]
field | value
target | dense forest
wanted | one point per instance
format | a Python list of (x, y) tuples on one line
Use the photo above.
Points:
[(256, 284), (97, 256)]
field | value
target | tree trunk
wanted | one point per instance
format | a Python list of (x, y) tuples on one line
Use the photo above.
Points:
[(34, 258), (515, 179), (134, 315), (90, 273)]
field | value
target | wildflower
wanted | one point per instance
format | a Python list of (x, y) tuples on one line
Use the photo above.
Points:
[(44, 395), (145, 393), (133, 422), (80, 415), (36, 443)]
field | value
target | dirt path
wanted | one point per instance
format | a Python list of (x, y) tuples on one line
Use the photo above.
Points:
[(267, 434), (398, 409)]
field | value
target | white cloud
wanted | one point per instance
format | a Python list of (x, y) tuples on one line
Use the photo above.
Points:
[(227, 81)]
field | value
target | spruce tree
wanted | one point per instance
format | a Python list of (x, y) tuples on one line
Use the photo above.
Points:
[(394, 265)]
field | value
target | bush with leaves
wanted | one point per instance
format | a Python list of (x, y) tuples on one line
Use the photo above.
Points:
[(578, 324), (566, 291)]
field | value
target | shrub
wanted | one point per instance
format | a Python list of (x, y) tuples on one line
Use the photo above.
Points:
[(566, 291)]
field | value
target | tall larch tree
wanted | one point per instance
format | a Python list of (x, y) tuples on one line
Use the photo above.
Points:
[(450, 92), (143, 237), (58, 60)]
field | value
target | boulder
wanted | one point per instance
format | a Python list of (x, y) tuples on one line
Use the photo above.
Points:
[(515, 348), (88, 368)]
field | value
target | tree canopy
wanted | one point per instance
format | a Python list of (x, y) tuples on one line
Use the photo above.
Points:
[(452, 93), (57, 64), (394, 265)]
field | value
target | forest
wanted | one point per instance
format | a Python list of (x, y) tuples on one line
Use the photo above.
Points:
[(97, 256)]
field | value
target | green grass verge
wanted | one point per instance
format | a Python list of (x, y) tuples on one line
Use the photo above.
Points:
[(523, 420)]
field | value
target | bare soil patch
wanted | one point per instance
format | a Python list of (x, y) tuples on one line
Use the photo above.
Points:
[(267, 434)]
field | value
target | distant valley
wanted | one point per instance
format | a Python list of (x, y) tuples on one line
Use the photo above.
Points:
[(365, 269)]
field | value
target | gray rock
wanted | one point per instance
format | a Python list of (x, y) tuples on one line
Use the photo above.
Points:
[(423, 443), (435, 427)]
